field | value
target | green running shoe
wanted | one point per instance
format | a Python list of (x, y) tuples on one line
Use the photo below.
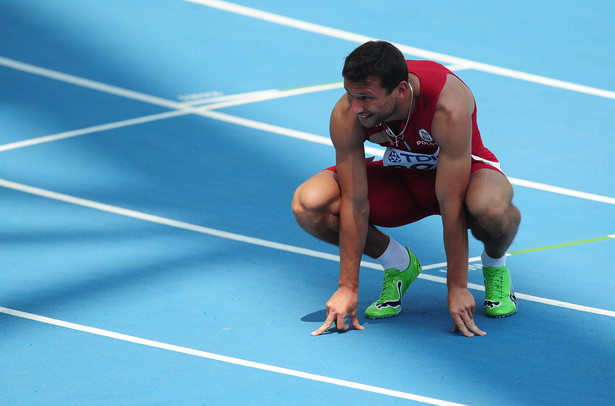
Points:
[(500, 299), (396, 283)]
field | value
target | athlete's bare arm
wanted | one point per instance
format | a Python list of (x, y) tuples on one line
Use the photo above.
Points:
[(347, 136), (452, 130)]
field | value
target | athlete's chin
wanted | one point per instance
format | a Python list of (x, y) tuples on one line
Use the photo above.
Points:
[(367, 121)]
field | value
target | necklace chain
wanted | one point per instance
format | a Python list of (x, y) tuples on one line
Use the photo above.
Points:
[(398, 137)]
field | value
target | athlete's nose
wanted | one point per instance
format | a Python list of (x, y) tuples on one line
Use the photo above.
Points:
[(356, 107)]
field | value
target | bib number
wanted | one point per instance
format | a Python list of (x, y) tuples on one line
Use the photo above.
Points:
[(411, 160)]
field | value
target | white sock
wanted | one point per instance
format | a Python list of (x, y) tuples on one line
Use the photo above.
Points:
[(492, 262), (395, 256)]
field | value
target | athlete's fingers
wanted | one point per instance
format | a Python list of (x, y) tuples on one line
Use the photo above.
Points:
[(326, 325), (340, 323), (468, 320), (355, 323), (460, 326), (472, 326)]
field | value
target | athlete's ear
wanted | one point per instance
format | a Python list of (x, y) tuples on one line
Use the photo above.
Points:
[(403, 88)]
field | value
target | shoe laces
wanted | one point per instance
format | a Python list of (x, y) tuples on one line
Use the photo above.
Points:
[(389, 285), (497, 285)]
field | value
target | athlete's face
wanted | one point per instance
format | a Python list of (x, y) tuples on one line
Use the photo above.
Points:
[(370, 102)]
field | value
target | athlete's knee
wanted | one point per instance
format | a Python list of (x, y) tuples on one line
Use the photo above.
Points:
[(311, 203), (302, 203), (514, 218), (495, 219)]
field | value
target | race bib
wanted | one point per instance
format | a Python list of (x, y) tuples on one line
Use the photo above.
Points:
[(411, 160)]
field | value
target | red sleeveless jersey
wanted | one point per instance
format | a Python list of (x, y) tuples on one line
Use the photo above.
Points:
[(417, 149)]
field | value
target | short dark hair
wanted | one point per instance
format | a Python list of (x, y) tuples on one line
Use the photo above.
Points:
[(376, 58)]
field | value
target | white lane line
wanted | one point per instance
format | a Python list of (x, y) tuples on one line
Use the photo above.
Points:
[(93, 129), (565, 305), (562, 191), (357, 38), (91, 84), (270, 128), (263, 95), (257, 241), (162, 220), (188, 107), (180, 108), (226, 359)]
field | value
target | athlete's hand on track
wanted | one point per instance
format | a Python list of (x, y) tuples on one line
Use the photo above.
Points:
[(461, 305), (343, 303)]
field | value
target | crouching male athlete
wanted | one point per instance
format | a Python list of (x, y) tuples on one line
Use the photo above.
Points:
[(435, 163)]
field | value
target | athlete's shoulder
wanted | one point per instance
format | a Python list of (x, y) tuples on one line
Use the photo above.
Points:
[(341, 111), (455, 97), (415, 65), (344, 127)]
